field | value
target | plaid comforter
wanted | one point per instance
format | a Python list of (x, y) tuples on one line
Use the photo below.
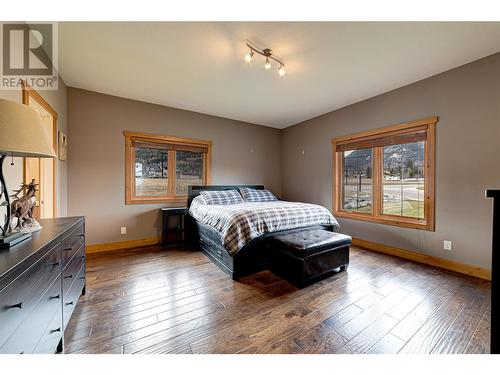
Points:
[(242, 222)]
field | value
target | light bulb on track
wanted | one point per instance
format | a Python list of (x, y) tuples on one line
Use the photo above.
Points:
[(267, 65), (248, 57)]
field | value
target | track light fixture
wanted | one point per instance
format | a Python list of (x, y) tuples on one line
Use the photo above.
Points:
[(268, 54)]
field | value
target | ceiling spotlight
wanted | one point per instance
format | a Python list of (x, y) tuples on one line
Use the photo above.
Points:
[(268, 54), (248, 56)]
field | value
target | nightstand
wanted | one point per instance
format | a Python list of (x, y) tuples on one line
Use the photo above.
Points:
[(177, 235)]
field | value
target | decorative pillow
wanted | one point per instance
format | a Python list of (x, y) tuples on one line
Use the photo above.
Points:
[(222, 197), (253, 195)]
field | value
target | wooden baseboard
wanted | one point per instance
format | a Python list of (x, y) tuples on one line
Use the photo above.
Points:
[(110, 246), (446, 264)]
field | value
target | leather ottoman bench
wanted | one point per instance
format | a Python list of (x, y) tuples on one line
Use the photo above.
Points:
[(307, 256)]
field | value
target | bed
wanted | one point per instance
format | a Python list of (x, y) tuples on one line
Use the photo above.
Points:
[(247, 254)]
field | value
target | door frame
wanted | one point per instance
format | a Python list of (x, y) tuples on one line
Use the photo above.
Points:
[(30, 94)]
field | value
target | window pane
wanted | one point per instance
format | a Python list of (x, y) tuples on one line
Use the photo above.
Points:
[(151, 172), (403, 180), (357, 180), (188, 171)]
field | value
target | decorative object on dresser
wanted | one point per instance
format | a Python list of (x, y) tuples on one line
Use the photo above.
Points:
[(22, 209), (495, 273), (21, 134), (180, 231), (40, 284)]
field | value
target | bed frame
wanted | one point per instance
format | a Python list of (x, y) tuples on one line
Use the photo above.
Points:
[(253, 257)]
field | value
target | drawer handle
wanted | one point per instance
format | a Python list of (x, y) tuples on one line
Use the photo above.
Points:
[(81, 235), (68, 276), (82, 278), (55, 297), (55, 330), (55, 264), (16, 306), (69, 303), (68, 249)]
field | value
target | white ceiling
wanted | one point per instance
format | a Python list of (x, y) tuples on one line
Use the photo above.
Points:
[(199, 66)]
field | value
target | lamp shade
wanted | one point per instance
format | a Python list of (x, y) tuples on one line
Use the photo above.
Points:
[(22, 132)]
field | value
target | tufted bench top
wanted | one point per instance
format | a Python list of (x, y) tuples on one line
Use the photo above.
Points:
[(312, 241)]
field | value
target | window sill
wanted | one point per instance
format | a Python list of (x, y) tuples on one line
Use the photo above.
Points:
[(388, 220), (161, 200)]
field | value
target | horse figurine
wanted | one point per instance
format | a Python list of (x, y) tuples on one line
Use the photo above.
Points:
[(22, 208)]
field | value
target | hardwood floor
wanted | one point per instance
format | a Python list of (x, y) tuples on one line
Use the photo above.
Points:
[(155, 300)]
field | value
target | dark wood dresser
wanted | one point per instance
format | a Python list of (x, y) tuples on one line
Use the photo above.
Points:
[(41, 280)]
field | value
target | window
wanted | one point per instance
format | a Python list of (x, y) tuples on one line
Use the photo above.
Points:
[(159, 168), (387, 175)]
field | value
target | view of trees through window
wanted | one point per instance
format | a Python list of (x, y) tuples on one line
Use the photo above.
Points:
[(188, 170), (403, 181), (358, 190), (151, 171)]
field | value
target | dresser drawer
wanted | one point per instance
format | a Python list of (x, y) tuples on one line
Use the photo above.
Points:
[(27, 335), (19, 298), (73, 242), (71, 270), (52, 336), (74, 293)]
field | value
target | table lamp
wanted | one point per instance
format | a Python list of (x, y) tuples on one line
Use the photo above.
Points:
[(22, 133)]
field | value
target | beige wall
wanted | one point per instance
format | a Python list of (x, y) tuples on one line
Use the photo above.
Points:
[(14, 174), (467, 101), (96, 158)]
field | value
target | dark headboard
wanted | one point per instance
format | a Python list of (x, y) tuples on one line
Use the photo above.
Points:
[(194, 191)]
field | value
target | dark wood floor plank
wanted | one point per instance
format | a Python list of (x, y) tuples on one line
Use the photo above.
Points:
[(455, 340), (367, 317), (436, 326), (389, 344), (311, 340), (155, 300), (407, 327), (479, 343), (363, 341)]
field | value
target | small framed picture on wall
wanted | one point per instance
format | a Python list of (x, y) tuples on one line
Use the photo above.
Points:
[(63, 146)]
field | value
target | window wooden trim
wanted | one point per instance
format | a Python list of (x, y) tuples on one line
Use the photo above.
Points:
[(427, 124), (130, 137)]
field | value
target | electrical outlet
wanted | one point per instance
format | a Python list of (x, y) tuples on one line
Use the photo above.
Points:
[(447, 245), (123, 230)]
